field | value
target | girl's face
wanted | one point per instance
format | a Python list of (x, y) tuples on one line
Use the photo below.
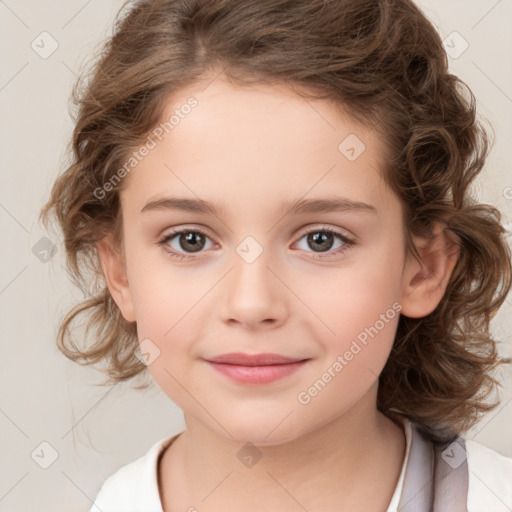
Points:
[(248, 278)]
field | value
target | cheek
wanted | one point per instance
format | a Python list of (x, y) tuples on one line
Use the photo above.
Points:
[(359, 309), (362, 320), (172, 317), (364, 330), (163, 294), (350, 300)]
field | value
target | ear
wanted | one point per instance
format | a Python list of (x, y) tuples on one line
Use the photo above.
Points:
[(114, 269), (424, 282)]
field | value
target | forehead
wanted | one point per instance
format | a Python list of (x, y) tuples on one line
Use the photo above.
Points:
[(253, 144)]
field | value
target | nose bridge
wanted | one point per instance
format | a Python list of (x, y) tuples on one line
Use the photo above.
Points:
[(251, 260), (252, 293)]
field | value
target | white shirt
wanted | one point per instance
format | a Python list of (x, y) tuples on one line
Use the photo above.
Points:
[(134, 487)]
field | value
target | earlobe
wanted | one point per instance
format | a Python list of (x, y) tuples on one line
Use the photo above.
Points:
[(114, 270), (424, 282)]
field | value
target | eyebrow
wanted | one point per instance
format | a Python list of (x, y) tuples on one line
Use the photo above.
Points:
[(298, 206)]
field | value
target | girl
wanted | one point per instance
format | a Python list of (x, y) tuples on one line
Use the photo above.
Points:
[(273, 199)]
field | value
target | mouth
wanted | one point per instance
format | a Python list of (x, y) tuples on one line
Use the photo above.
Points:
[(255, 369)]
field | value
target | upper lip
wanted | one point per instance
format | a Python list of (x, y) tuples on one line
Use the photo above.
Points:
[(254, 359)]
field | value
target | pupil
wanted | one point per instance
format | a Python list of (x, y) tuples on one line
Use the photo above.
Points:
[(196, 246), (321, 238)]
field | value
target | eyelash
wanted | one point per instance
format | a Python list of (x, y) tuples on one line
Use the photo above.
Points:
[(348, 243)]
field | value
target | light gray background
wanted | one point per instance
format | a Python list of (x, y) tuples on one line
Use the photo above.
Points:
[(44, 397)]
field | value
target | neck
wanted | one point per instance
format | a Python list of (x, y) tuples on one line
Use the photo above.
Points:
[(351, 463)]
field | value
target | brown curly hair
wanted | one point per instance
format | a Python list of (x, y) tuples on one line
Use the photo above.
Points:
[(384, 64)]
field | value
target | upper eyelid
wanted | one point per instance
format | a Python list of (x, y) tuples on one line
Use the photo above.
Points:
[(304, 231)]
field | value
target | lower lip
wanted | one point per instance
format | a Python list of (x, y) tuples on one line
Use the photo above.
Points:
[(257, 374)]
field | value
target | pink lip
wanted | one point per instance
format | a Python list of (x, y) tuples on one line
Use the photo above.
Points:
[(253, 359), (255, 369)]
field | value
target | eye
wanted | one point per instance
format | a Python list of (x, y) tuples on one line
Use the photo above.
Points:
[(188, 240), (322, 241), (185, 242)]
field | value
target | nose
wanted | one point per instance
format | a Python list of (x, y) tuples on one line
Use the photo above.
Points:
[(253, 295)]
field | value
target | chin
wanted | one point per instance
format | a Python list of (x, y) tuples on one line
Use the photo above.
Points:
[(270, 430)]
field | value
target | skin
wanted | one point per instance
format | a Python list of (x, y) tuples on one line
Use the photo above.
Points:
[(249, 149)]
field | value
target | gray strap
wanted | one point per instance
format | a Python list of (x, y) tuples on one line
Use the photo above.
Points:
[(451, 477), (436, 479), (416, 489)]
